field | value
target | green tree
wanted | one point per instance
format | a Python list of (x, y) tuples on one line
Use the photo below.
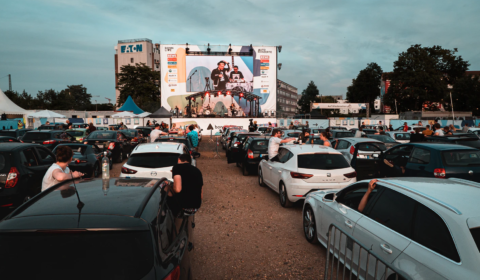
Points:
[(423, 74), (308, 96), (466, 94), (81, 99), (366, 87), (141, 83)]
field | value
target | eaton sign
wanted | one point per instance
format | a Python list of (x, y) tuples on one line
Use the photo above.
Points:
[(131, 48)]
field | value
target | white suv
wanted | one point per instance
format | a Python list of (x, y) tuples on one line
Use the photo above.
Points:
[(300, 169), (155, 160), (423, 228)]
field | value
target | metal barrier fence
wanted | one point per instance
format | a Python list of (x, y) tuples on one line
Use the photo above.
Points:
[(356, 257)]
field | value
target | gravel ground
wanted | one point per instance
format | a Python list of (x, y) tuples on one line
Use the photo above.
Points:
[(242, 232)]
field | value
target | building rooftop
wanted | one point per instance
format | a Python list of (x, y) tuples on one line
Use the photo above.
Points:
[(134, 40)]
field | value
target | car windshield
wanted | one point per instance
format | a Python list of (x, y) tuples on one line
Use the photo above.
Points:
[(262, 128), (76, 133), (383, 138), (476, 236), (130, 133), (322, 161), (260, 145), (55, 255), (37, 136), (8, 133), (153, 160), (402, 136), (371, 147), (461, 158), (103, 135)]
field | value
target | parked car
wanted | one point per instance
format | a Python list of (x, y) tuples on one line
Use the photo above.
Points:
[(48, 138), (249, 153), (428, 224), (236, 144), (134, 137), (472, 130), (145, 131), (469, 140), (177, 139), (113, 126), (87, 158), (114, 141), (399, 136), (78, 133), (6, 139), (155, 160), (57, 126), (367, 131), (341, 134), (338, 128), (79, 125), (411, 128), (317, 131), (15, 133), (101, 128), (115, 229), (22, 168), (225, 135), (300, 169), (385, 139), (265, 130), (230, 135)]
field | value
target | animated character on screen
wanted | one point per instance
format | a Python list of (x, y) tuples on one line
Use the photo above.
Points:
[(220, 75), (236, 75)]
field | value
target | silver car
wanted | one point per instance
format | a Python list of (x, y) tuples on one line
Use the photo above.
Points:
[(347, 146), (424, 228), (399, 136)]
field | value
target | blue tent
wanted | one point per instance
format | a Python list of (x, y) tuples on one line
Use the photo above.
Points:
[(130, 106)]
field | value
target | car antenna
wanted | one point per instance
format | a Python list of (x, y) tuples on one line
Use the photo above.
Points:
[(80, 204)]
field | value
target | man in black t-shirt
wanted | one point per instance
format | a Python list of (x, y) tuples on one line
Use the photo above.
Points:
[(236, 75), (220, 75), (187, 186)]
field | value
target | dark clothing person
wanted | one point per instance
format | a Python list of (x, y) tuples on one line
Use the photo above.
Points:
[(236, 76), (251, 127), (192, 183), (91, 128), (219, 82)]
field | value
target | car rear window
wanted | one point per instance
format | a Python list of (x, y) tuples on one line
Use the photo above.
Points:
[(383, 138), (461, 158), (293, 134), (260, 145), (322, 161), (8, 133), (174, 140), (371, 147), (76, 133), (344, 134), (402, 136), (37, 136), (153, 160), (130, 133), (78, 149), (104, 254), (469, 142), (103, 135), (476, 236)]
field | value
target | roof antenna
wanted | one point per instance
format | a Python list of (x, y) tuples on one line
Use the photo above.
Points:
[(80, 204)]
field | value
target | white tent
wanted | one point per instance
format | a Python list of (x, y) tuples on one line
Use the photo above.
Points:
[(124, 114), (144, 115), (45, 114), (8, 107)]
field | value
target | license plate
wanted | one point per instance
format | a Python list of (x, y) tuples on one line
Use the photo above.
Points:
[(100, 146)]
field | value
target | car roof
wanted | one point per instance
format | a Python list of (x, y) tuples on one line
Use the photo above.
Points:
[(440, 146), (360, 139), (77, 129), (16, 129), (457, 195), (260, 137), (11, 146), (47, 130), (125, 197), (310, 148), (159, 147)]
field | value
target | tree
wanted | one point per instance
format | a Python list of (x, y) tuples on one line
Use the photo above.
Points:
[(80, 96), (423, 74), (366, 87), (141, 83), (308, 96), (466, 94)]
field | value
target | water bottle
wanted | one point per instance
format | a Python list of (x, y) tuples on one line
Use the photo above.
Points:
[(105, 167)]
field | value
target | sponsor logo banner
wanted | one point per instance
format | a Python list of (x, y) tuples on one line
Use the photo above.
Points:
[(172, 75), (172, 63), (264, 67), (131, 48), (172, 66), (172, 70), (265, 64), (264, 61), (172, 59), (264, 57), (264, 90), (172, 80)]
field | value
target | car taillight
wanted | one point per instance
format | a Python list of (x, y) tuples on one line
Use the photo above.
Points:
[(128, 170), (81, 139), (352, 150), (190, 152), (78, 161), (12, 178), (250, 153), (300, 175), (135, 139), (351, 175), (111, 146), (439, 173), (228, 139), (236, 144), (49, 142), (174, 275)]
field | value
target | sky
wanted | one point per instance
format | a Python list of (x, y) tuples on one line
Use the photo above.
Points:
[(54, 43)]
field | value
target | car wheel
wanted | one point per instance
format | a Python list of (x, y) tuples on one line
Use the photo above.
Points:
[(260, 178), (284, 201), (309, 226), (245, 169), (120, 157), (96, 170)]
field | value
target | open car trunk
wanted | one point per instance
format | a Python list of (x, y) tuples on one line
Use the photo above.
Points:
[(367, 160)]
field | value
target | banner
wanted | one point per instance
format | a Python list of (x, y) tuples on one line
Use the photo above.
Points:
[(184, 74)]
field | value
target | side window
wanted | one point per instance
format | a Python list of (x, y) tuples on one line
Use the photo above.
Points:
[(431, 231), (56, 136), (402, 151), (420, 156), (342, 145), (352, 196), (393, 210), (46, 157), (166, 227), (334, 143), (282, 152), (29, 158), (288, 155)]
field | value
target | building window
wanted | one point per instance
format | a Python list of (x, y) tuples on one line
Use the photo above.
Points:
[(131, 60)]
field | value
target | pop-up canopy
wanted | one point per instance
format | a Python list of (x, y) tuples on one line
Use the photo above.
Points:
[(130, 105), (8, 107), (45, 114)]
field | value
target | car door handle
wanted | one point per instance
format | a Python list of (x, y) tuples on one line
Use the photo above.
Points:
[(386, 248), (348, 224)]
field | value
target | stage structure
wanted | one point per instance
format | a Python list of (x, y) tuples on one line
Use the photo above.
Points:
[(218, 81)]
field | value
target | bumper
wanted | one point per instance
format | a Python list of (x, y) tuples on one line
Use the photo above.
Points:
[(297, 191)]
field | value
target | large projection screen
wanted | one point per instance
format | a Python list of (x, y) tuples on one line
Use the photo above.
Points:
[(184, 74)]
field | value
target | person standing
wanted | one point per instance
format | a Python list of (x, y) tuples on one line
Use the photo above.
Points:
[(251, 127), (390, 127), (193, 135), (405, 127), (274, 143), (255, 126), (91, 128), (363, 125), (219, 75), (20, 124), (306, 124), (427, 131), (324, 138), (438, 130), (291, 126), (156, 132), (465, 128), (59, 171)]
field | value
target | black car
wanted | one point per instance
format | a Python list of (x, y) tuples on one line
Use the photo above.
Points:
[(113, 126), (86, 159), (22, 168), (48, 138), (387, 140), (230, 135), (97, 229), (6, 139), (15, 133), (265, 130), (145, 131), (114, 141), (253, 151), (134, 137), (421, 159), (237, 142), (176, 139), (53, 126), (470, 140)]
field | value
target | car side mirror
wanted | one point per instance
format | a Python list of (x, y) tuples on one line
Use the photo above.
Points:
[(195, 155)]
